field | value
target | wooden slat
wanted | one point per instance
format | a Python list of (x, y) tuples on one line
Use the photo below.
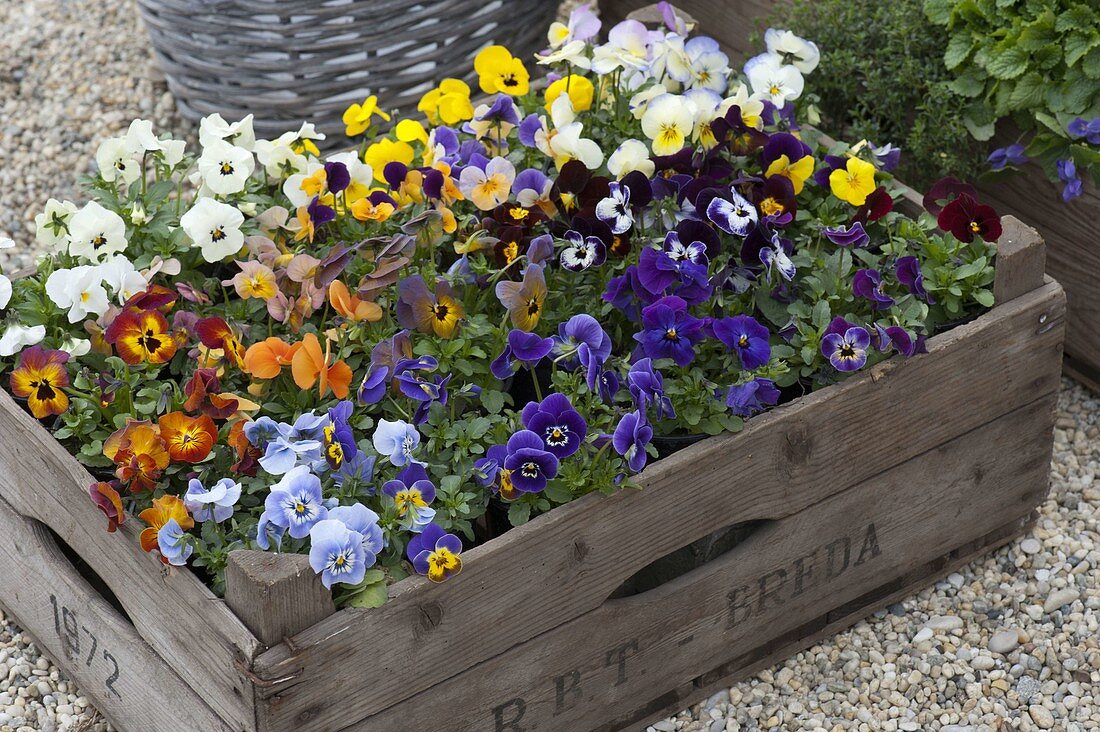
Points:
[(175, 613), (1072, 234), (578, 553), (276, 595), (814, 567), (125, 677), (1021, 259)]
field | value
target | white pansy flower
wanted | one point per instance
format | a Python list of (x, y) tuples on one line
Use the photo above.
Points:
[(215, 228), (173, 151), (95, 233), (279, 158), (17, 337), (564, 142), (627, 47), (773, 80), (640, 101), (791, 49), (706, 103), (709, 65), (240, 134), (138, 216), (292, 186), (668, 121), (118, 158), (225, 168), (76, 347), (671, 59), (140, 135), (308, 131), (51, 226), (5, 291), (572, 53), (751, 108), (119, 274), (629, 156), (79, 289)]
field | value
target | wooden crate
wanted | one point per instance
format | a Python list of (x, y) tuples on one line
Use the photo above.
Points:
[(851, 497), (1070, 230)]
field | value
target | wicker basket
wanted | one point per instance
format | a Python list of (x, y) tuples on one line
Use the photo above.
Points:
[(290, 60)]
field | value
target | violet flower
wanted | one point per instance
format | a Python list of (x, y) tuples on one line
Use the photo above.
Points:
[(847, 351), (669, 331), (435, 553), (750, 398), (1090, 130), (896, 337), (615, 209), (582, 252), (561, 427), (868, 284), (647, 386), (337, 177), (747, 337), (848, 236), (909, 274), (1067, 173), (1002, 157), (529, 464), (632, 434), (522, 349), (736, 216)]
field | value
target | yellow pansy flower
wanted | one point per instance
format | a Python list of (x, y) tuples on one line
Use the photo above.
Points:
[(854, 182), (501, 73), (409, 130), (449, 103), (797, 172), (357, 117), (387, 151), (580, 91)]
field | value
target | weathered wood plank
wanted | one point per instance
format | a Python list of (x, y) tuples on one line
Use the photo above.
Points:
[(275, 595), (822, 562), (175, 613), (578, 553), (724, 676), (1021, 260), (1072, 234), (125, 677)]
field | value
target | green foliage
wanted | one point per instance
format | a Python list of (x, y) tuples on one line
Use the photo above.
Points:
[(882, 78), (1035, 61)]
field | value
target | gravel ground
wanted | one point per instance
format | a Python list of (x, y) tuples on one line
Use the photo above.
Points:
[(1009, 643)]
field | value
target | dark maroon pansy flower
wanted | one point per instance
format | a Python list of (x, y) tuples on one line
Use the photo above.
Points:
[(943, 192), (877, 205), (965, 218)]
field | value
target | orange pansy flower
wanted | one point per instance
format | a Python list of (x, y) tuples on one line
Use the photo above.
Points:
[(216, 333), (189, 439), (141, 336), (140, 454), (108, 501), (351, 306), (163, 510), (40, 378), (266, 359), (309, 366)]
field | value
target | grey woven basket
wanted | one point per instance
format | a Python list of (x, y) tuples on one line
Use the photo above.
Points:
[(286, 61)]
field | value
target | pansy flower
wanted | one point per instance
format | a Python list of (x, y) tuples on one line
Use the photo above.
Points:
[(139, 453), (490, 471), (215, 333), (581, 341), (267, 358), (647, 387), (311, 366), (254, 280), (777, 257), (141, 336), (965, 218), (582, 252), (529, 463), (521, 349), (524, 300), (847, 236), (878, 204), (734, 216), (203, 392), (215, 504), (490, 186), (188, 439), (774, 80), (439, 312), (426, 391), (908, 271), (632, 434), (449, 103), (775, 200), (501, 73), (358, 117), (396, 440), (659, 269), (336, 553), (1067, 173), (435, 553), (411, 502), (752, 397), (561, 427), (668, 122), (294, 506), (786, 155), (669, 331), (41, 379), (106, 498), (164, 509), (744, 335), (214, 228), (895, 337), (869, 285), (943, 192), (854, 182), (847, 351), (615, 209)]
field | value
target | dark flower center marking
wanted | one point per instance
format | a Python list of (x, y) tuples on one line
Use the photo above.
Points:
[(530, 469), (99, 240), (149, 341), (43, 389), (227, 168), (847, 350), (533, 307), (510, 80), (557, 435), (441, 312), (743, 341), (672, 335), (217, 234)]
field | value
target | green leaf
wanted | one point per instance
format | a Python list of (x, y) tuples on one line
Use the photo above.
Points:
[(1028, 91), (1079, 16), (1006, 62), (1039, 33), (492, 400), (958, 48), (1077, 44), (519, 513), (983, 298), (822, 314), (969, 84), (373, 595), (1091, 64), (979, 121), (939, 11)]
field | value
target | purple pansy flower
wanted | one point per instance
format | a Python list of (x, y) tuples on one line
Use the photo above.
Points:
[(736, 216), (1067, 173), (750, 398), (847, 351), (777, 257), (363, 521), (894, 336), (1002, 157), (529, 463), (294, 505), (337, 177), (909, 274), (669, 331), (868, 284), (503, 110), (319, 213), (561, 427), (215, 504), (582, 341), (582, 252), (745, 335), (522, 349), (632, 434), (886, 157), (374, 384), (416, 387), (339, 440), (647, 386), (848, 236), (435, 553), (1090, 130), (659, 269), (411, 501)]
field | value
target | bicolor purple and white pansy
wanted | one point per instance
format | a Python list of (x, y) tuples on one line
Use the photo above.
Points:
[(615, 209), (736, 216), (582, 252)]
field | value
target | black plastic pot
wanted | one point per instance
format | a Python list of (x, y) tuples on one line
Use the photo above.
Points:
[(668, 444)]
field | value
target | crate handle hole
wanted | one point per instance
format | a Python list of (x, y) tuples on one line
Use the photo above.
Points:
[(83, 569), (688, 558)]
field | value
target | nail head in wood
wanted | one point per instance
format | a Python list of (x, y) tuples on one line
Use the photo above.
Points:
[(275, 595), (1021, 260)]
